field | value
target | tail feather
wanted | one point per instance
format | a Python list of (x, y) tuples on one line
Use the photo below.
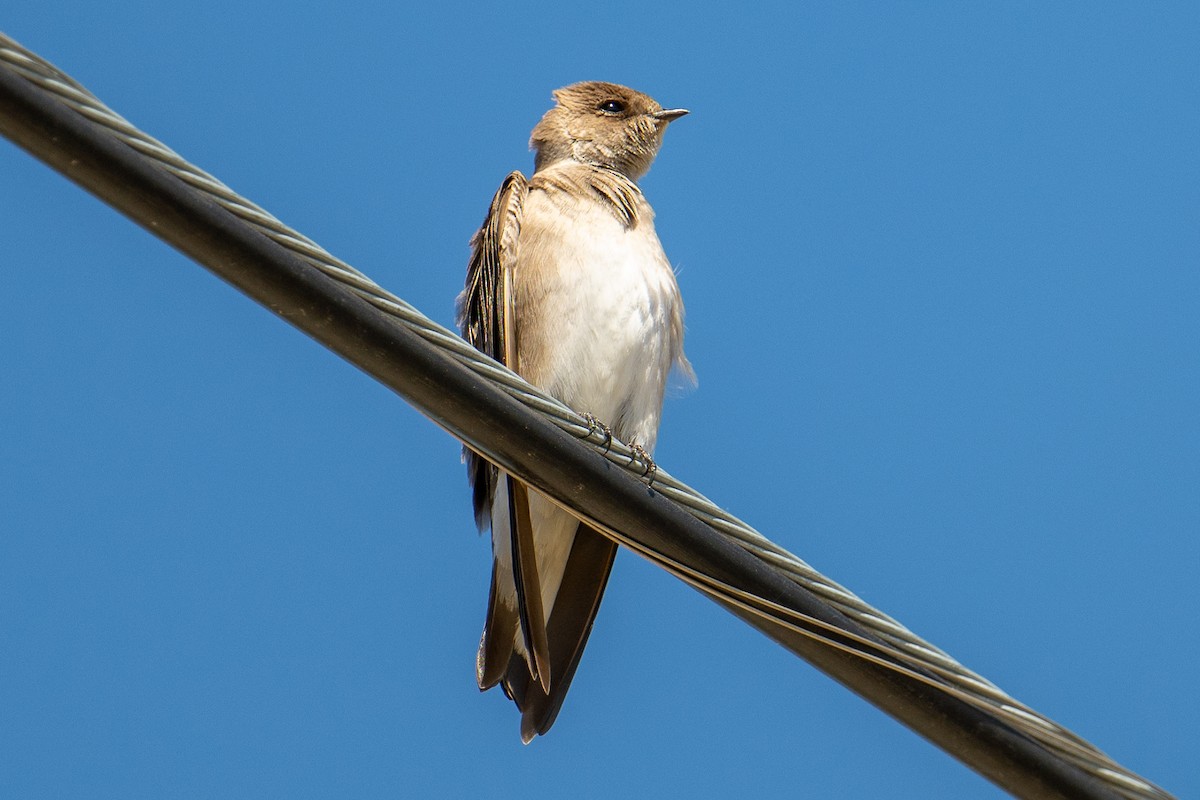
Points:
[(496, 645), (570, 624), (528, 583)]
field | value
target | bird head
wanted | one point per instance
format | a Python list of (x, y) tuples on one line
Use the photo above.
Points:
[(602, 124)]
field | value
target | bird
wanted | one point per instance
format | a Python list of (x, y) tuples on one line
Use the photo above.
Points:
[(568, 286)]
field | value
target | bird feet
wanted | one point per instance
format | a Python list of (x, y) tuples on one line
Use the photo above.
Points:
[(640, 454), (596, 425)]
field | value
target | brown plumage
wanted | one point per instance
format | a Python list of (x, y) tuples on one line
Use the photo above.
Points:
[(568, 286)]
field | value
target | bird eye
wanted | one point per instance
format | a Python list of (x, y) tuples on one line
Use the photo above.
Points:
[(612, 107)]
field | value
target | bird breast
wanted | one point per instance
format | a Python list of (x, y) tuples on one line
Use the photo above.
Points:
[(595, 300)]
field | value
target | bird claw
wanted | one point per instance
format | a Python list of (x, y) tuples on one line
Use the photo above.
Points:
[(639, 454), (596, 425)]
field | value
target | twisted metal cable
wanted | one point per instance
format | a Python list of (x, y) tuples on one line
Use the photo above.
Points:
[(901, 650)]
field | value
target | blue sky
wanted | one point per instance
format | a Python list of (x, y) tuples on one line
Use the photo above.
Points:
[(942, 268)]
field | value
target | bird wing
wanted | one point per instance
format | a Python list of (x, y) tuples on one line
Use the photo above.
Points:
[(538, 682), (487, 319)]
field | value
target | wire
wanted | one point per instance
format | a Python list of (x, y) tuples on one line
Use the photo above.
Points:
[(884, 641)]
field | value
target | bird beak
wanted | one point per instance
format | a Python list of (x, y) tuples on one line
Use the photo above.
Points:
[(669, 114)]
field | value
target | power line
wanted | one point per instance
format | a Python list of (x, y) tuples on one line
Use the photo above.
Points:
[(531, 436)]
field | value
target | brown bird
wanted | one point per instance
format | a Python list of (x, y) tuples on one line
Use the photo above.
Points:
[(569, 286)]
